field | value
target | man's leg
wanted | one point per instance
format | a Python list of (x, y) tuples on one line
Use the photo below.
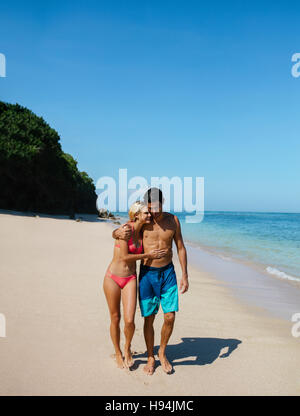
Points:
[(169, 303), (166, 332), (149, 305), (149, 339)]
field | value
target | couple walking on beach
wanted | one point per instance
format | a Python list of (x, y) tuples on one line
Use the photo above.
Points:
[(148, 237)]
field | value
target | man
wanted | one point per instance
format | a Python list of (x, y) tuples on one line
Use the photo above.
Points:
[(157, 279)]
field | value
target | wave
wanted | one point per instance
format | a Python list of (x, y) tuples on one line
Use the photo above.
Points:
[(283, 275), (224, 257)]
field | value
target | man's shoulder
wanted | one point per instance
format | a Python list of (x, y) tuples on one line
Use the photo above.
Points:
[(168, 215), (171, 219)]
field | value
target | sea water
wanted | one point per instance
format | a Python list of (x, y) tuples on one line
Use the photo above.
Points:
[(266, 239), (270, 240)]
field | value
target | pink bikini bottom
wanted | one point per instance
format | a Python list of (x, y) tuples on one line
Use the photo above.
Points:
[(121, 281)]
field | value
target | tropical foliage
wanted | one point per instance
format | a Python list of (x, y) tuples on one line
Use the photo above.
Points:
[(35, 174)]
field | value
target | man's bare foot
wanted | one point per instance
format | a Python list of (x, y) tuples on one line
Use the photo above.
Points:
[(149, 367), (119, 360), (128, 361), (166, 366)]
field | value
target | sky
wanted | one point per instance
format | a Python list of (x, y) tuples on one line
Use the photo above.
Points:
[(166, 88)]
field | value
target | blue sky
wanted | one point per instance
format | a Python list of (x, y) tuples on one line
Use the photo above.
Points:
[(173, 88)]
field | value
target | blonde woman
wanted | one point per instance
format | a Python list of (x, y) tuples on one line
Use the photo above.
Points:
[(120, 281)]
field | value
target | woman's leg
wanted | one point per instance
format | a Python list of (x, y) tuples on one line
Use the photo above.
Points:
[(129, 308), (113, 296)]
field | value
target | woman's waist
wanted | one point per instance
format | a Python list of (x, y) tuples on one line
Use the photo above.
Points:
[(121, 269)]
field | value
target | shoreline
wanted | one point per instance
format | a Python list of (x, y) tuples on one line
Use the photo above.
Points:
[(58, 324), (276, 296), (255, 265)]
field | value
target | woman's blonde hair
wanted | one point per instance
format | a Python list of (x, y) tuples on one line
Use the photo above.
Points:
[(135, 209)]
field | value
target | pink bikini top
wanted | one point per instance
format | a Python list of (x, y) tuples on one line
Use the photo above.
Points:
[(132, 249)]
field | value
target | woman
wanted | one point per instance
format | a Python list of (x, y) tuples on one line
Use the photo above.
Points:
[(120, 281)]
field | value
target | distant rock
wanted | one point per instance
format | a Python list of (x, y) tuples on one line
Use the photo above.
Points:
[(104, 213)]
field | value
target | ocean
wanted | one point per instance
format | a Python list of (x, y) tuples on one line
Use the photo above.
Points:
[(269, 241)]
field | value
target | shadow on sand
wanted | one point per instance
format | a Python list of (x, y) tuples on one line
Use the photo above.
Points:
[(194, 351)]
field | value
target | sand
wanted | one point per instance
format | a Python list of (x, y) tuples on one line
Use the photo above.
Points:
[(57, 324)]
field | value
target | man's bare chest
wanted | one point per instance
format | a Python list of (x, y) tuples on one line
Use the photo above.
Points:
[(161, 233)]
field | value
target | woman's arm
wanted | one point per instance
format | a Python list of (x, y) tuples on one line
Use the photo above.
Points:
[(125, 256)]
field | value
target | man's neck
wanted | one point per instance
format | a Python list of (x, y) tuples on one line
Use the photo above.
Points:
[(158, 218)]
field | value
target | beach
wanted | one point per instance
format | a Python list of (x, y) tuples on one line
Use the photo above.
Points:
[(57, 324)]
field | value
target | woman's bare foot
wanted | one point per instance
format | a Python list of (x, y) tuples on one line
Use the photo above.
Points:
[(128, 361), (119, 360), (166, 366), (149, 367)]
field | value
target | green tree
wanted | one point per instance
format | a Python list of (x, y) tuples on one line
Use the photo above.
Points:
[(35, 174)]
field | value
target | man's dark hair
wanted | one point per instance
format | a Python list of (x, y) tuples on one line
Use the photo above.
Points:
[(153, 195)]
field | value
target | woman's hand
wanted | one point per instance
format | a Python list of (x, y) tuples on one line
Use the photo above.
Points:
[(157, 253)]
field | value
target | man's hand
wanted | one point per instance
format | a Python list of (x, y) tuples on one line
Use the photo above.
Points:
[(123, 232), (184, 284)]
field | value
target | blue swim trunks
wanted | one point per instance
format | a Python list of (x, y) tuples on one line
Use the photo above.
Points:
[(158, 285)]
